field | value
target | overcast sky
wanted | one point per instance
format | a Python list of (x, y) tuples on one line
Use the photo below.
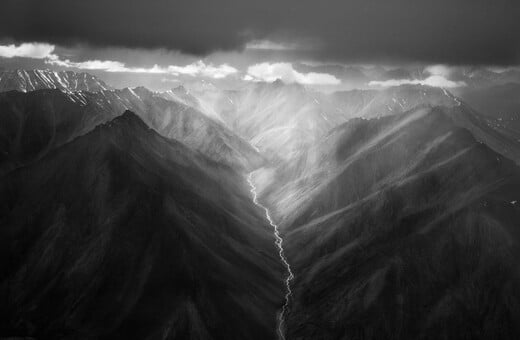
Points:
[(173, 40)]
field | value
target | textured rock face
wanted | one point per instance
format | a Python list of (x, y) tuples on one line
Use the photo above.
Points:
[(31, 80)]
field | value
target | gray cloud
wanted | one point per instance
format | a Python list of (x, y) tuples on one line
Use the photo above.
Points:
[(440, 31)]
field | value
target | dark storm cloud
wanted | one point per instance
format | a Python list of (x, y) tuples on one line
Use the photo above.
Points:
[(445, 31)]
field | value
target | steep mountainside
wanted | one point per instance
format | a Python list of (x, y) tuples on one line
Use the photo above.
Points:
[(410, 231), (295, 179), (31, 80), (182, 95), (500, 107), (124, 234), (184, 123), (32, 124), (279, 119), (501, 101), (500, 134)]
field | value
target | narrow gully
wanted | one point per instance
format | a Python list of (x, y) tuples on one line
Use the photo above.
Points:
[(279, 244)]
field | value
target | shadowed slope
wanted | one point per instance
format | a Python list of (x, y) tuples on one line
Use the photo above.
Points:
[(125, 234), (32, 124)]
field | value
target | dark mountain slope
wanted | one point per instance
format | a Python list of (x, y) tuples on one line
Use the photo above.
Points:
[(500, 101), (184, 123), (499, 110), (123, 234), (32, 124), (411, 231), (500, 134)]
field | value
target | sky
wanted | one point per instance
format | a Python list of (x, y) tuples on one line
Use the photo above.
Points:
[(161, 43)]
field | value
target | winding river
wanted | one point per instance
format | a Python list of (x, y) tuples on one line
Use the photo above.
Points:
[(279, 244)]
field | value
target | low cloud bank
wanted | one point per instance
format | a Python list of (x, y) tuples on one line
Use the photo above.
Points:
[(438, 77), (46, 52), (284, 71), (198, 68), (28, 50)]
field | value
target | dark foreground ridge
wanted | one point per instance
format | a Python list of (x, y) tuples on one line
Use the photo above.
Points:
[(124, 234)]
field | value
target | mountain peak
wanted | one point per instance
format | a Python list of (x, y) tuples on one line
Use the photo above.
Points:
[(127, 120), (130, 117), (180, 90), (278, 82)]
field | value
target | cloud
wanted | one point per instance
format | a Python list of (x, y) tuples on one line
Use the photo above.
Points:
[(434, 81), (169, 80), (440, 70), (247, 77), (45, 51), (285, 71), (28, 50), (441, 31), (104, 65), (438, 77), (269, 45), (198, 68)]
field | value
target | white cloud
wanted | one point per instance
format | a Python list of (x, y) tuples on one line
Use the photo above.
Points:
[(285, 71), (434, 81), (247, 77), (105, 65), (198, 68), (169, 80), (269, 45), (439, 70), (28, 50), (439, 77)]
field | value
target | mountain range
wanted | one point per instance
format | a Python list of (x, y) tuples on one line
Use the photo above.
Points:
[(128, 213), (33, 123)]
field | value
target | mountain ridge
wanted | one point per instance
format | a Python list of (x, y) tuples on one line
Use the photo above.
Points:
[(35, 122)]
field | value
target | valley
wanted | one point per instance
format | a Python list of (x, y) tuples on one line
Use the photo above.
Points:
[(268, 211), (281, 252)]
